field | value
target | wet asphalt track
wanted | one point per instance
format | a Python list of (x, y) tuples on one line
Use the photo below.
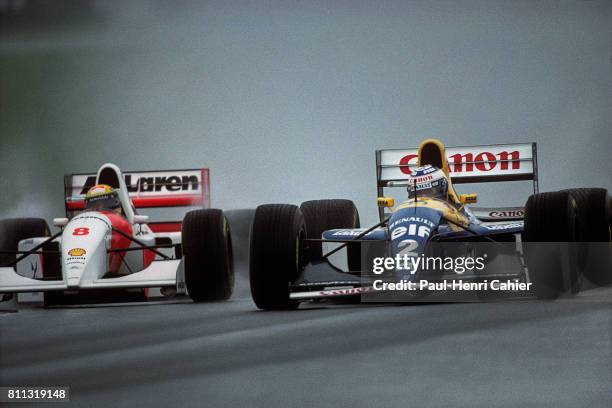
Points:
[(229, 354)]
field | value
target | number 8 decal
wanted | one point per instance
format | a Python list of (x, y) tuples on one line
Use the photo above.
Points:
[(81, 231)]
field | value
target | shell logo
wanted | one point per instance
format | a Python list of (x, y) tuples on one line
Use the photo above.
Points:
[(77, 252)]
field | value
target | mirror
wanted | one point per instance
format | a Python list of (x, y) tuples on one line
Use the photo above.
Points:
[(468, 198), (60, 222), (385, 201), (141, 219)]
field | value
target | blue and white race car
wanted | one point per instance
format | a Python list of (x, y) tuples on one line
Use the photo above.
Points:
[(319, 251)]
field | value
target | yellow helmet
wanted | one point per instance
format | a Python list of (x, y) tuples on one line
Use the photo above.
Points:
[(102, 197)]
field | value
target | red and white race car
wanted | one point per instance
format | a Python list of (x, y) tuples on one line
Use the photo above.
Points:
[(105, 248)]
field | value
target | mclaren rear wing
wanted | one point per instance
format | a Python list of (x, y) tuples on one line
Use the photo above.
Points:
[(467, 164), (146, 189)]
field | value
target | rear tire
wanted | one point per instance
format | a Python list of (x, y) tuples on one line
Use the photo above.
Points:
[(207, 255), (550, 228), (276, 255), (323, 215), (595, 233)]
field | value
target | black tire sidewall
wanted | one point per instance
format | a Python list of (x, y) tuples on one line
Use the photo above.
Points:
[(550, 252), (594, 234), (323, 215), (276, 254), (13, 230), (207, 255)]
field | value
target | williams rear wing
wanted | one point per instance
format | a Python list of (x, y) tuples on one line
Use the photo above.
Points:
[(467, 164), (147, 189)]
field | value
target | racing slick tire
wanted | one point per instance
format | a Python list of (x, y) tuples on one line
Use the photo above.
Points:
[(207, 254), (323, 215), (595, 232), (277, 255), (551, 227), (13, 230)]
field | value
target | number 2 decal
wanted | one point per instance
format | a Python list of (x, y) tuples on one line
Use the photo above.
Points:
[(81, 231), (408, 246)]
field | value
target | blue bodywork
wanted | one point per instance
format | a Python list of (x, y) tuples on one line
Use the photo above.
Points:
[(409, 230)]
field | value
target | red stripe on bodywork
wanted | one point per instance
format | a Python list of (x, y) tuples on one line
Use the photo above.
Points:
[(167, 201), (118, 241), (151, 202), (42, 265), (170, 226), (75, 205), (148, 256), (205, 188)]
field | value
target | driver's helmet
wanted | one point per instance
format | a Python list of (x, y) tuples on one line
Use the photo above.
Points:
[(428, 181), (102, 197)]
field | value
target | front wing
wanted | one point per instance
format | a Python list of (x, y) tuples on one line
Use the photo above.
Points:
[(158, 274)]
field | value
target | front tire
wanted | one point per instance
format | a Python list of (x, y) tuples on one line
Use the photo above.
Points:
[(207, 255), (276, 255), (13, 230), (323, 215)]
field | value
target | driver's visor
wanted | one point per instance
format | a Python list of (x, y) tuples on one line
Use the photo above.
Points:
[(427, 189), (103, 202)]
